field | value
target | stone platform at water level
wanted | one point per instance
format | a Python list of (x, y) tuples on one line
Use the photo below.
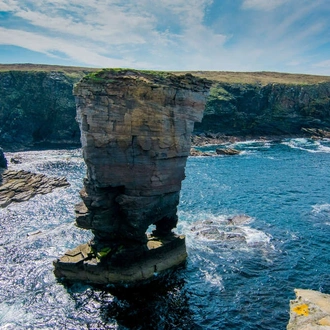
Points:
[(118, 265)]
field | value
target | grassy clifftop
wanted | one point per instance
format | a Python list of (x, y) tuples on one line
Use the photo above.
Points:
[(73, 72), (262, 78)]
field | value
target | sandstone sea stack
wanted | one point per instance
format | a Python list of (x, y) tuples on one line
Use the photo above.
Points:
[(135, 133)]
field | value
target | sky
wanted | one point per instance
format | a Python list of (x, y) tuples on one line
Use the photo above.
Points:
[(218, 35)]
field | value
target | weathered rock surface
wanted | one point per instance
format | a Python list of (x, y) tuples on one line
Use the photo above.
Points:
[(20, 186), (309, 311), (135, 133), (3, 160)]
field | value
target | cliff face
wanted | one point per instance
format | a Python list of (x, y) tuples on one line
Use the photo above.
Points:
[(135, 132), (37, 107), (252, 109)]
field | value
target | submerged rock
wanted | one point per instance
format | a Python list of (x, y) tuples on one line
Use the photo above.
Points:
[(16, 160), (309, 311), (229, 229), (135, 133), (20, 186)]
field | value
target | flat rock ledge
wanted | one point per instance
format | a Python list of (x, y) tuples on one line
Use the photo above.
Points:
[(309, 311), (121, 266), (20, 186)]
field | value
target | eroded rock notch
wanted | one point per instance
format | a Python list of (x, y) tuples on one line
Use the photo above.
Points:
[(135, 134)]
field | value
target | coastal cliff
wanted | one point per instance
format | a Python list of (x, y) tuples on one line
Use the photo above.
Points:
[(135, 133), (37, 107), (274, 109)]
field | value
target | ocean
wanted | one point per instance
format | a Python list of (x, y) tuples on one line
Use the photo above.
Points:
[(257, 226)]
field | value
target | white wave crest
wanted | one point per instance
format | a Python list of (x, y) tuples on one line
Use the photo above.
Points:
[(320, 208), (309, 145), (224, 232), (255, 237)]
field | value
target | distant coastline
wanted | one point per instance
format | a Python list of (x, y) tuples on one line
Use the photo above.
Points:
[(38, 110)]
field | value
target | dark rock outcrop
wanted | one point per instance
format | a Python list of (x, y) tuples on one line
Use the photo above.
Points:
[(20, 186), (274, 109), (37, 109), (3, 160), (135, 132), (317, 133)]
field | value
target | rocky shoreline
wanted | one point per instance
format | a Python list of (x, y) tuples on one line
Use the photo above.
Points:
[(20, 186), (209, 138)]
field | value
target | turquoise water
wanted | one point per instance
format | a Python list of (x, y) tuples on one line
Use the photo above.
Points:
[(240, 274)]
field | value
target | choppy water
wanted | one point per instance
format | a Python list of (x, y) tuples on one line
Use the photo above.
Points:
[(239, 274)]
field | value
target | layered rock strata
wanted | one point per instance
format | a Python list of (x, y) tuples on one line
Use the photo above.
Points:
[(20, 186), (135, 134)]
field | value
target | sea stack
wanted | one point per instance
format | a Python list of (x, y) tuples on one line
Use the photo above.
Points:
[(135, 133)]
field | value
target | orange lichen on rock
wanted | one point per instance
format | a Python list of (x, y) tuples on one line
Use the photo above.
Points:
[(301, 309)]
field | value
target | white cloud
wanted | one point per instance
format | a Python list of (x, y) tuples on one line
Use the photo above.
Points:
[(170, 34), (262, 4), (51, 46), (99, 21), (91, 31), (323, 64)]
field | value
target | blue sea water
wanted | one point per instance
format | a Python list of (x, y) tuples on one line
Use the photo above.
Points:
[(239, 274)]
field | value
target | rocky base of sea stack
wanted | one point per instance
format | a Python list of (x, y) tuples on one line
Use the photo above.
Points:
[(118, 265)]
